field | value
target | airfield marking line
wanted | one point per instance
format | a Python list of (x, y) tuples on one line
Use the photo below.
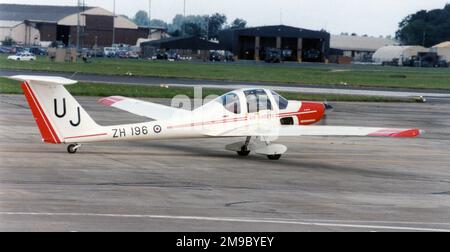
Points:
[(225, 219)]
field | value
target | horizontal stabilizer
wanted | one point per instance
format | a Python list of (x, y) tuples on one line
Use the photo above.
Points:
[(43, 80)]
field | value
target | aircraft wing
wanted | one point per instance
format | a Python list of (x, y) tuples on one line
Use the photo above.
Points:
[(141, 108), (293, 130)]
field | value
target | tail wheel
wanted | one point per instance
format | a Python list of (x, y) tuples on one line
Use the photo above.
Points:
[(274, 157), (72, 149)]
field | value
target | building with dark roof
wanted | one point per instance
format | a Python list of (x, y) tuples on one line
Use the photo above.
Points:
[(297, 44), (59, 23), (192, 46), (185, 43)]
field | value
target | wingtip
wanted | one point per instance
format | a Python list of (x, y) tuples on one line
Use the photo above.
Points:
[(110, 101), (408, 133), (398, 133)]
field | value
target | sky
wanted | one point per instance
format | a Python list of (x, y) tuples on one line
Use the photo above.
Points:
[(371, 17)]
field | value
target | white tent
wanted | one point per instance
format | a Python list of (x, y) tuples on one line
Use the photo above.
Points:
[(388, 53), (443, 50)]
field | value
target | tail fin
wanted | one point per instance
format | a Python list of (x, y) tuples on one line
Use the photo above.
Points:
[(58, 115)]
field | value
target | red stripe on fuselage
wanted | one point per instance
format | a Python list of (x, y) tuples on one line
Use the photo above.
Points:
[(45, 127), (237, 119), (94, 135)]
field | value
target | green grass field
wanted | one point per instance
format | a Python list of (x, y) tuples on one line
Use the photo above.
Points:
[(353, 75), (8, 86)]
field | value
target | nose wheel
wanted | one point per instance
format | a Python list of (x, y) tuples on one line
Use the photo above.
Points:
[(72, 148), (273, 157)]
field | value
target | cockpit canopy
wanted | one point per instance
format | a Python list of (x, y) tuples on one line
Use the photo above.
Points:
[(280, 100), (256, 100), (231, 102)]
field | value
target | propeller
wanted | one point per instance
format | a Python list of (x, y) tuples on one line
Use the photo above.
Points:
[(328, 109)]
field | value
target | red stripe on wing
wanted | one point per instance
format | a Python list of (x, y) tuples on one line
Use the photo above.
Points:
[(109, 101), (403, 133)]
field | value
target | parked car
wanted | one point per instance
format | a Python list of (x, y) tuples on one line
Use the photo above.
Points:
[(162, 56), (5, 50), (122, 54), (109, 52), (22, 57), (215, 56), (38, 51), (312, 55), (273, 55), (132, 55)]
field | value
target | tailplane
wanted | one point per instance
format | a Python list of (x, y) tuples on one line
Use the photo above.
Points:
[(58, 115)]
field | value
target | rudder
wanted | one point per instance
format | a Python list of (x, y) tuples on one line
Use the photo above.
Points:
[(58, 115)]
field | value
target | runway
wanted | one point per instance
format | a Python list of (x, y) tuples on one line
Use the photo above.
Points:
[(321, 184)]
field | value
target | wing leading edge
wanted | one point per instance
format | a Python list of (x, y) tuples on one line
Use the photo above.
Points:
[(290, 130)]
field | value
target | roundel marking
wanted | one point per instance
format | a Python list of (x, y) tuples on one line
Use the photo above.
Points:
[(157, 129)]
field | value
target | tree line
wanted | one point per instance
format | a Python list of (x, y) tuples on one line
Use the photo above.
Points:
[(426, 28), (206, 26)]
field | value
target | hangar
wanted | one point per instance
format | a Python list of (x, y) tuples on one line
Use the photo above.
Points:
[(399, 53), (297, 44), (443, 50), (359, 48), (59, 23)]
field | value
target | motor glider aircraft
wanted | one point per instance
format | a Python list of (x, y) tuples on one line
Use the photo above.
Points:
[(258, 115)]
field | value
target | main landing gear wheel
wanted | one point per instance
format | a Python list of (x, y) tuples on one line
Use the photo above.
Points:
[(274, 157), (72, 148), (243, 152)]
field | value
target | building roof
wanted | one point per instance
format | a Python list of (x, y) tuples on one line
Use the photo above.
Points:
[(45, 13), (443, 45), (119, 21), (358, 43), (9, 24), (63, 15), (279, 30), (187, 42)]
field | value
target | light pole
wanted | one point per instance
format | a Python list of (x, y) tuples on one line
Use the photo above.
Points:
[(114, 21), (149, 12), (149, 18), (78, 26), (184, 17)]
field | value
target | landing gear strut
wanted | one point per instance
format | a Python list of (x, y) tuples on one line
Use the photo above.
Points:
[(72, 148), (244, 152), (271, 151)]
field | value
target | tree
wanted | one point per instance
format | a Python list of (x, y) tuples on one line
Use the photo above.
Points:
[(8, 41), (158, 23), (215, 24), (425, 28), (141, 18), (194, 29), (189, 25), (238, 24)]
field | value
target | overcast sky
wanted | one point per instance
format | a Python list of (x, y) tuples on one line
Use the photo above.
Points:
[(372, 17)]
